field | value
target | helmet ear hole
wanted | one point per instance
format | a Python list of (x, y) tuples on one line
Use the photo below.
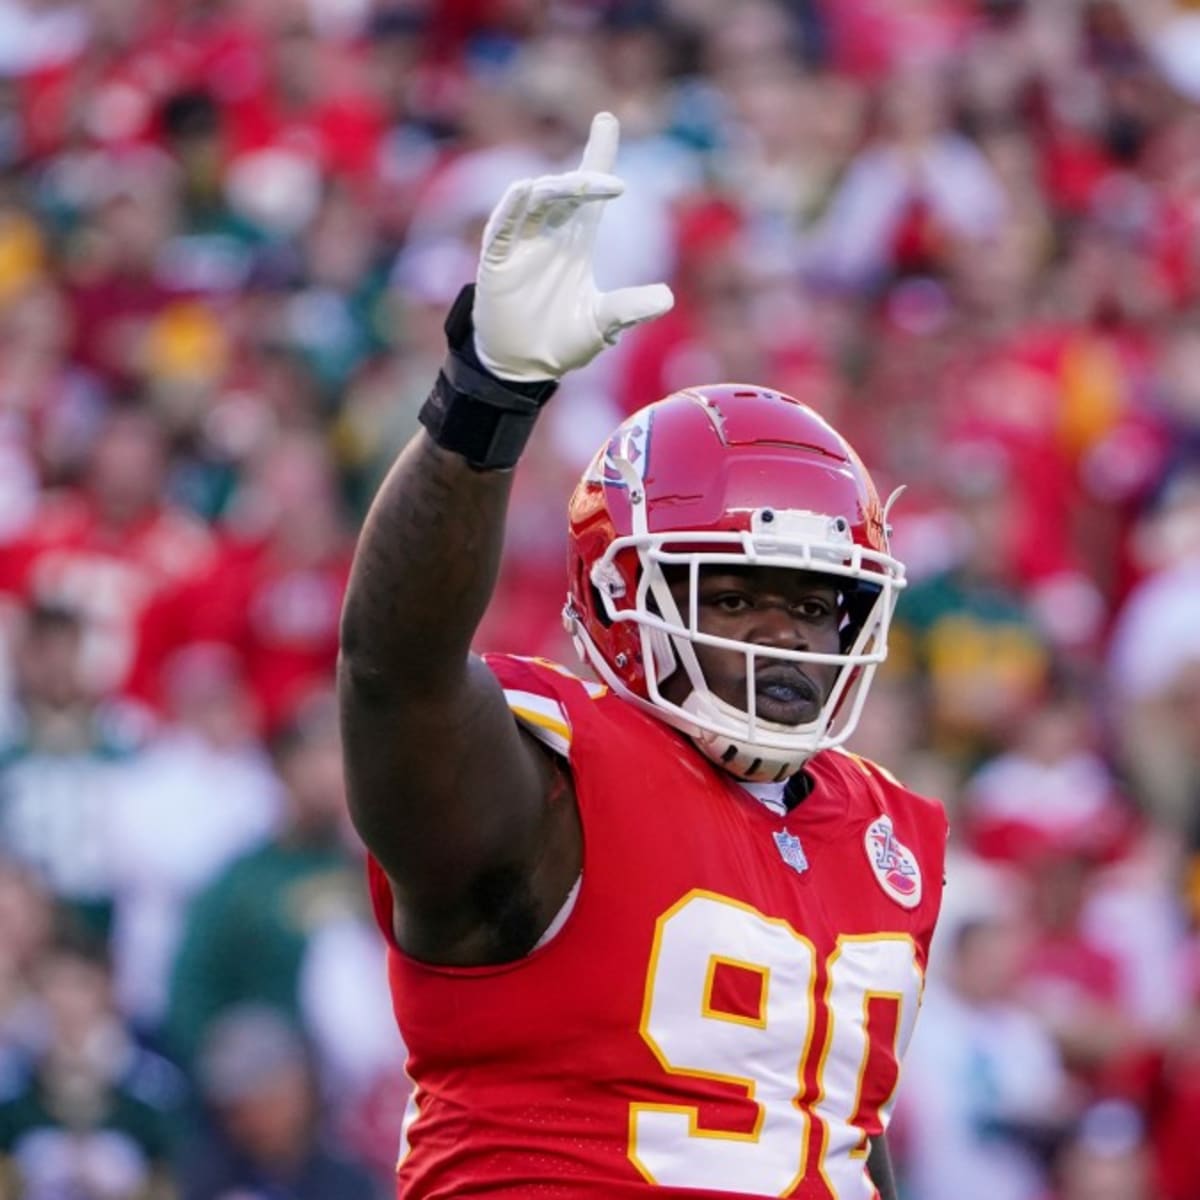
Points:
[(859, 600), (598, 605)]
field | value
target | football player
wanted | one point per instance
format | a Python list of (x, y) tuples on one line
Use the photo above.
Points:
[(653, 933)]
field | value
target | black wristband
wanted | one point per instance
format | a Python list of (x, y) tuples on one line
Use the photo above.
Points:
[(472, 412)]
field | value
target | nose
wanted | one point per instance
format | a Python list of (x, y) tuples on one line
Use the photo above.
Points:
[(778, 628)]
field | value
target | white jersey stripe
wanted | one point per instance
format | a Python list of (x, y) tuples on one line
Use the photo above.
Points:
[(542, 716), (412, 1111), (593, 689)]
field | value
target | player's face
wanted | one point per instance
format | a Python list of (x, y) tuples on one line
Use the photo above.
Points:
[(773, 607)]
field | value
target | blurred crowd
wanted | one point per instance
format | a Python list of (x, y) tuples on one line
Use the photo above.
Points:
[(966, 231)]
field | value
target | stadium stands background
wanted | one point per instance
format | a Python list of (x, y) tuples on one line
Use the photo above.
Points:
[(967, 231)]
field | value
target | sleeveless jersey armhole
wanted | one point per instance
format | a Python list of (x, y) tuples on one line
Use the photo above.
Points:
[(547, 720), (543, 717)]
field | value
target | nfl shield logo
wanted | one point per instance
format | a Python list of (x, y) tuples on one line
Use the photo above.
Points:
[(791, 851)]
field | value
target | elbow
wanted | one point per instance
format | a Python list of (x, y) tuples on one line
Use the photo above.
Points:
[(388, 668), (366, 677), (352, 638), (363, 683)]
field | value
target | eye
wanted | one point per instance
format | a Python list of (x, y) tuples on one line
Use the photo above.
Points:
[(730, 602), (813, 608)]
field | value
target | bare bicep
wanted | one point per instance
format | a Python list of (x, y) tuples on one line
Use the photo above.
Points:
[(451, 798)]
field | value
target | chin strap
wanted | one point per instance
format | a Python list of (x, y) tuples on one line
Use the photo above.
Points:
[(754, 764)]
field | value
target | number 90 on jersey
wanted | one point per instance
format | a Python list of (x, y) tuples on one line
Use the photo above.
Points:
[(765, 1045)]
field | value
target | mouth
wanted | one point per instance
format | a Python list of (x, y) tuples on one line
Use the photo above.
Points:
[(786, 696)]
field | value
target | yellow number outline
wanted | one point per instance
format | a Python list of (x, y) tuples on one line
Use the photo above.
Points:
[(691, 1111), (810, 1112)]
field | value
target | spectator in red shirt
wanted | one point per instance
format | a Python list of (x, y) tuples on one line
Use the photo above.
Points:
[(274, 591), (107, 548)]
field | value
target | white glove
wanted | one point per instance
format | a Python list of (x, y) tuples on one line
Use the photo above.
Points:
[(537, 312)]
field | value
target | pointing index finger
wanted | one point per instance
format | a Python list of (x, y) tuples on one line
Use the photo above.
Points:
[(600, 153)]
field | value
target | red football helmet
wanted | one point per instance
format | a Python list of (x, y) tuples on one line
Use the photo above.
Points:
[(726, 475)]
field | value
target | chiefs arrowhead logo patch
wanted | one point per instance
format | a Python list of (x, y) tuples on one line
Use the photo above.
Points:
[(894, 864)]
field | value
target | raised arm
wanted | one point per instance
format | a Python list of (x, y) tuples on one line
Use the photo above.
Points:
[(456, 804)]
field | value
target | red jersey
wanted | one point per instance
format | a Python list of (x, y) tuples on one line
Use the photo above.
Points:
[(723, 1010)]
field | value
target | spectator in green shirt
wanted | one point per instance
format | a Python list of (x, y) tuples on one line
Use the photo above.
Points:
[(247, 933)]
